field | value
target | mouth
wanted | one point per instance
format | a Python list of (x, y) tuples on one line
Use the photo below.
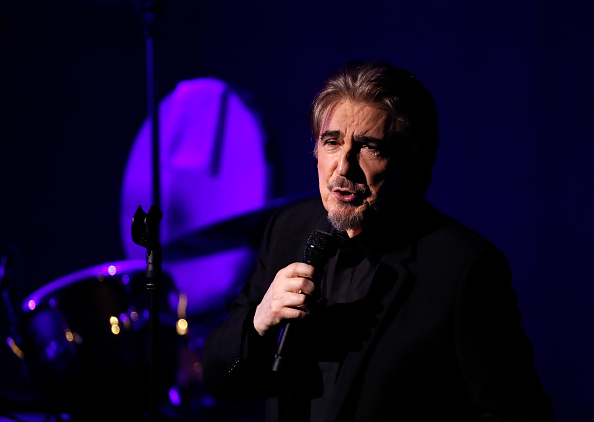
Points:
[(347, 192), (344, 195)]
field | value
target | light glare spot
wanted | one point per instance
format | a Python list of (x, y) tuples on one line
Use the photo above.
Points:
[(182, 327), (174, 397), (15, 349)]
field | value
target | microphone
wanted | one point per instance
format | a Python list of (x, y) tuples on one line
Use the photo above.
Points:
[(319, 248)]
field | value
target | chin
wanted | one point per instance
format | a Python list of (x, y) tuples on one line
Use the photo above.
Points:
[(346, 217)]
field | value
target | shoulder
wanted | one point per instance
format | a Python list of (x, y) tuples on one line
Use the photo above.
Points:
[(304, 210), (446, 233), (300, 217), (456, 236), (452, 245)]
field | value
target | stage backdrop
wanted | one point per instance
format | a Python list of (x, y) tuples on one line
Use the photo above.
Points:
[(512, 81)]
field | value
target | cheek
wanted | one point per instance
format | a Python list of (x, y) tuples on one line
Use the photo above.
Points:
[(324, 168), (376, 173), (383, 185)]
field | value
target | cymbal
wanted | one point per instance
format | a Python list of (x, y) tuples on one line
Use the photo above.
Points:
[(244, 230)]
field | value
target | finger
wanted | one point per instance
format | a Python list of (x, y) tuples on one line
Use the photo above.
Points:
[(264, 319), (294, 313), (298, 270), (295, 300), (300, 286)]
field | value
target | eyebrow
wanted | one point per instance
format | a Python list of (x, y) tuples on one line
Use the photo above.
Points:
[(360, 138), (368, 139), (330, 134)]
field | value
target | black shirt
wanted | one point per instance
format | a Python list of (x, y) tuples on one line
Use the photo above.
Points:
[(346, 282)]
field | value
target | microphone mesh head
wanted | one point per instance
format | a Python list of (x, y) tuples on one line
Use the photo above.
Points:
[(320, 246)]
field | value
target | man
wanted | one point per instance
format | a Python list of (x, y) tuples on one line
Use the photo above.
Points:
[(412, 318)]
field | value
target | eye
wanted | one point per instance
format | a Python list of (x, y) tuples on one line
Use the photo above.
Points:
[(330, 144), (371, 149)]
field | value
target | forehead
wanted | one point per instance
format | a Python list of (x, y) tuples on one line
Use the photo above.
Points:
[(357, 117)]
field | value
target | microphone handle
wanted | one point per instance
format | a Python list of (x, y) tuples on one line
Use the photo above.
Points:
[(318, 249), (278, 356), (284, 334)]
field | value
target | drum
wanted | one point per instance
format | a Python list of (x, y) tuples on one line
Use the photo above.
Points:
[(86, 337)]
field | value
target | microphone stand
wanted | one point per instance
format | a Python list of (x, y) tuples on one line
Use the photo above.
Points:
[(145, 227), (149, 10), (145, 232)]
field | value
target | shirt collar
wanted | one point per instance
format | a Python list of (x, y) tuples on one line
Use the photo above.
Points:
[(394, 231)]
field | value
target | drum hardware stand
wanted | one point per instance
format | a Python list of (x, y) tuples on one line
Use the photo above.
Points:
[(145, 232)]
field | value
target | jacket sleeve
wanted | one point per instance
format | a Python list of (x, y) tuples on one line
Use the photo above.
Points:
[(494, 353), (237, 360)]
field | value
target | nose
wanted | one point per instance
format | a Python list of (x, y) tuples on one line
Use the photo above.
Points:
[(347, 162)]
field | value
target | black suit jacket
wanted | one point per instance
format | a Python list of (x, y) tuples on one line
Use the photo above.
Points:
[(437, 338)]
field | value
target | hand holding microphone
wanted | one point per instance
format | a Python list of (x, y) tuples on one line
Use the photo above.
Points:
[(286, 298)]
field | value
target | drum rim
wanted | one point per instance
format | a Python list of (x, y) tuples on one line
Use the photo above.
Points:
[(35, 298)]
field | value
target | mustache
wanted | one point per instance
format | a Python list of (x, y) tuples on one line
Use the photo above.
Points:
[(344, 183)]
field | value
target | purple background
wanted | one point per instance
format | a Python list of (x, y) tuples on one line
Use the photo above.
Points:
[(513, 82)]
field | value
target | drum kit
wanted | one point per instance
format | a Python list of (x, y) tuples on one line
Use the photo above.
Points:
[(84, 337)]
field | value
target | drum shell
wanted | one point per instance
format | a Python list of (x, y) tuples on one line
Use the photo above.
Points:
[(87, 342)]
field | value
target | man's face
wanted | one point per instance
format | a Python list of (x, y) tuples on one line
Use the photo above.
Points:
[(352, 163)]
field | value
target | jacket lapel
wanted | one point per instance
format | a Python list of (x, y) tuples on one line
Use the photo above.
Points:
[(390, 277)]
